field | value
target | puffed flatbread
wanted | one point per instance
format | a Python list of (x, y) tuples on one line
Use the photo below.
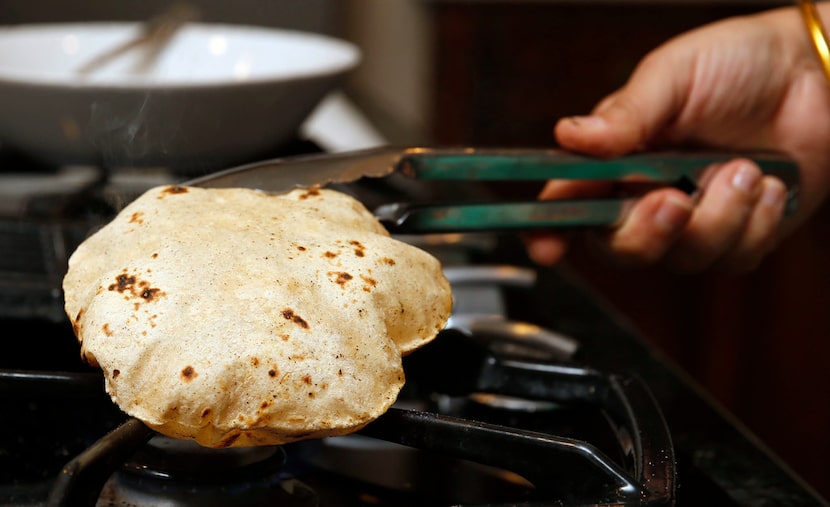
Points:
[(238, 318)]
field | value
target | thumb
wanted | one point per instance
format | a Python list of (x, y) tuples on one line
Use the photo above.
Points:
[(632, 117)]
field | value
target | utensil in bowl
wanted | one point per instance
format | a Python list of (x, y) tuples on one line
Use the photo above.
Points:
[(152, 37)]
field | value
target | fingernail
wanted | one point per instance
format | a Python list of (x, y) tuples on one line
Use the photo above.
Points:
[(746, 177), (673, 213), (774, 194), (588, 122)]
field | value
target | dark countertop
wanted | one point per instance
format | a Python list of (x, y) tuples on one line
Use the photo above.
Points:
[(719, 461)]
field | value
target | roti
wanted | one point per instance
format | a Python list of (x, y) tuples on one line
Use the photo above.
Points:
[(238, 318)]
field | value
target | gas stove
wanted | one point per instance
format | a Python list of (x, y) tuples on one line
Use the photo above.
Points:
[(536, 393)]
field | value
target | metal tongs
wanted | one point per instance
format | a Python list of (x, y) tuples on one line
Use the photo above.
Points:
[(457, 166)]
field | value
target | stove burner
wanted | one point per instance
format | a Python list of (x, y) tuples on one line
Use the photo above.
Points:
[(179, 473)]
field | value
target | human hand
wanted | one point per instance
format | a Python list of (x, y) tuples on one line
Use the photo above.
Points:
[(749, 83)]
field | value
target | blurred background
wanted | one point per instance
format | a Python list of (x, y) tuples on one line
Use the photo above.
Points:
[(499, 73)]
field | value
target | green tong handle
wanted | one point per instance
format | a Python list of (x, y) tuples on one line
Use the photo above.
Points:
[(679, 169)]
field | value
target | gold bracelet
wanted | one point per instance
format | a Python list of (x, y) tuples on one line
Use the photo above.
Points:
[(817, 34)]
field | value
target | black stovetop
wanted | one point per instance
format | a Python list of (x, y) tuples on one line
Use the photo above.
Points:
[(717, 461)]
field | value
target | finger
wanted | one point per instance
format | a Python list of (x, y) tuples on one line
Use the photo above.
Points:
[(649, 229), (546, 248), (630, 118), (761, 233), (720, 218), (574, 189)]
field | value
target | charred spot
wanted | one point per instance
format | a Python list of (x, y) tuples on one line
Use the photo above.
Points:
[(254, 362), (329, 254), (340, 277), (188, 373), (310, 394), (265, 404), (172, 190), (125, 283), (289, 314), (272, 372), (311, 192), (155, 255), (106, 329), (301, 248), (340, 372), (115, 374), (205, 412), (149, 294), (137, 217), (307, 379), (122, 282)]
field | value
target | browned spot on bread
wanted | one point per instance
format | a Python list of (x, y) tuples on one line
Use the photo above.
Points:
[(273, 372), (76, 324), (149, 294), (329, 254), (89, 358), (205, 413), (290, 315), (388, 261), (154, 256), (301, 248), (172, 190), (297, 357), (188, 373), (311, 192), (116, 373), (229, 440), (131, 286), (123, 282), (359, 250), (340, 277), (137, 217), (307, 379), (106, 329), (285, 337), (370, 284)]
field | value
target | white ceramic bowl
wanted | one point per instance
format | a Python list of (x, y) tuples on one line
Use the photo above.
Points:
[(217, 95)]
